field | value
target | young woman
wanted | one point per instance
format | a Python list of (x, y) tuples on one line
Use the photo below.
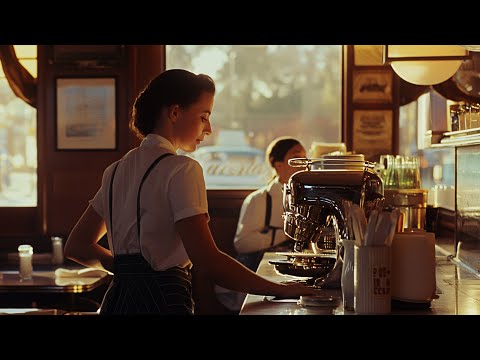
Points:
[(153, 206), (260, 225)]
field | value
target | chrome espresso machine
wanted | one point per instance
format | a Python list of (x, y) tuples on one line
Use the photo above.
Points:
[(314, 215)]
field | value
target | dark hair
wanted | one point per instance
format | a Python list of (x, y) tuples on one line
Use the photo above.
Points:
[(174, 86), (279, 147)]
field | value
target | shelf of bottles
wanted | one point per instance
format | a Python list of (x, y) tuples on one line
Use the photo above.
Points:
[(465, 125)]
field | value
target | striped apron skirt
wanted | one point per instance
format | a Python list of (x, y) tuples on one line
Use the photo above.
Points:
[(138, 289)]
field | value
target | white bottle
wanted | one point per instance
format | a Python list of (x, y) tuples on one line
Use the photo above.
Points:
[(25, 254), (57, 250)]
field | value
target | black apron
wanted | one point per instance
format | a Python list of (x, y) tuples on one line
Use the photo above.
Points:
[(136, 288), (252, 259)]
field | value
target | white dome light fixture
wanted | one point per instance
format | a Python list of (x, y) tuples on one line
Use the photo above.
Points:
[(425, 64), (471, 47)]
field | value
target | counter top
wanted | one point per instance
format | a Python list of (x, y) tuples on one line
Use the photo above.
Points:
[(45, 279), (458, 291)]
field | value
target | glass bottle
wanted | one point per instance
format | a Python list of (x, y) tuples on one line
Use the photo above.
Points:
[(462, 117), (57, 250), (474, 116), (25, 254), (454, 117)]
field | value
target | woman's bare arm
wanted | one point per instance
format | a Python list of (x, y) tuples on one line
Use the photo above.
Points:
[(225, 270), (81, 245)]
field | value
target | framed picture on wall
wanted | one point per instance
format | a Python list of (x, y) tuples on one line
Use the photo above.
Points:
[(86, 114), (373, 133), (372, 86)]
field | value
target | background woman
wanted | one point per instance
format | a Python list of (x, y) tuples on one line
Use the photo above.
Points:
[(260, 225)]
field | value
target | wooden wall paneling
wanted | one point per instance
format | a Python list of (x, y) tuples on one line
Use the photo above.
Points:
[(363, 103), (71, 204), (147, 61), (43, 95), (347, 96), (18, 223), (396, 112), (71, 177)]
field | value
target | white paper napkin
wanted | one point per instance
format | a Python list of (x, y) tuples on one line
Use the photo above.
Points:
[(87, 272)]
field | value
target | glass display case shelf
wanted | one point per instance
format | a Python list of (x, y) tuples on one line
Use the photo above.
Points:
[(459, 138)]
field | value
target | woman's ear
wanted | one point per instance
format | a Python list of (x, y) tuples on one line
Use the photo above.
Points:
[(173, 111)]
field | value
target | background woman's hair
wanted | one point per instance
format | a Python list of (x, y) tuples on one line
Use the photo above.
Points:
[(174, 86), (279, 147)]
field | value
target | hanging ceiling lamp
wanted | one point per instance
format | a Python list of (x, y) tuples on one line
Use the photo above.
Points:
[(425, 64), (471, 47)]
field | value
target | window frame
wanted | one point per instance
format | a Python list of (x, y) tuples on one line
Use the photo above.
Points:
[(24, 224)]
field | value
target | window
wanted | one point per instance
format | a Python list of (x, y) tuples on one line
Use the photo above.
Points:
[(18, 139), (263, 91), (437, 165)]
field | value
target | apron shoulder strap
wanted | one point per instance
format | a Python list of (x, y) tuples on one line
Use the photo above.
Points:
[(268, 216), (110, 195), (268, 212), (149, 170), (110, 198)]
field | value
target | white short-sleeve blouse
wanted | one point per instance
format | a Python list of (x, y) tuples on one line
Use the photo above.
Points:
[(174, 190)]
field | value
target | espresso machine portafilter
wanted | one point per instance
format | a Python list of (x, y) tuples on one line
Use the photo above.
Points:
[(314, 198)]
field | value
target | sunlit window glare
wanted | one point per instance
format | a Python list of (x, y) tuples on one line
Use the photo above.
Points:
[(18, 139), (262, 92)]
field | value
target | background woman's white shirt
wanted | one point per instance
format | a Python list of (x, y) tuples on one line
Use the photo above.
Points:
[(174, 190), (248, 237)]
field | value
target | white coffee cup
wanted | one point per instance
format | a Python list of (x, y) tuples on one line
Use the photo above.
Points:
[(413, 266)]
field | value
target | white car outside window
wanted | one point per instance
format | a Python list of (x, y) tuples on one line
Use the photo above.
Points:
[(240, 167)]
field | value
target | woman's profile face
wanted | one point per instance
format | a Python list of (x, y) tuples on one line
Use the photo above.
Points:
[(193, 123)]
